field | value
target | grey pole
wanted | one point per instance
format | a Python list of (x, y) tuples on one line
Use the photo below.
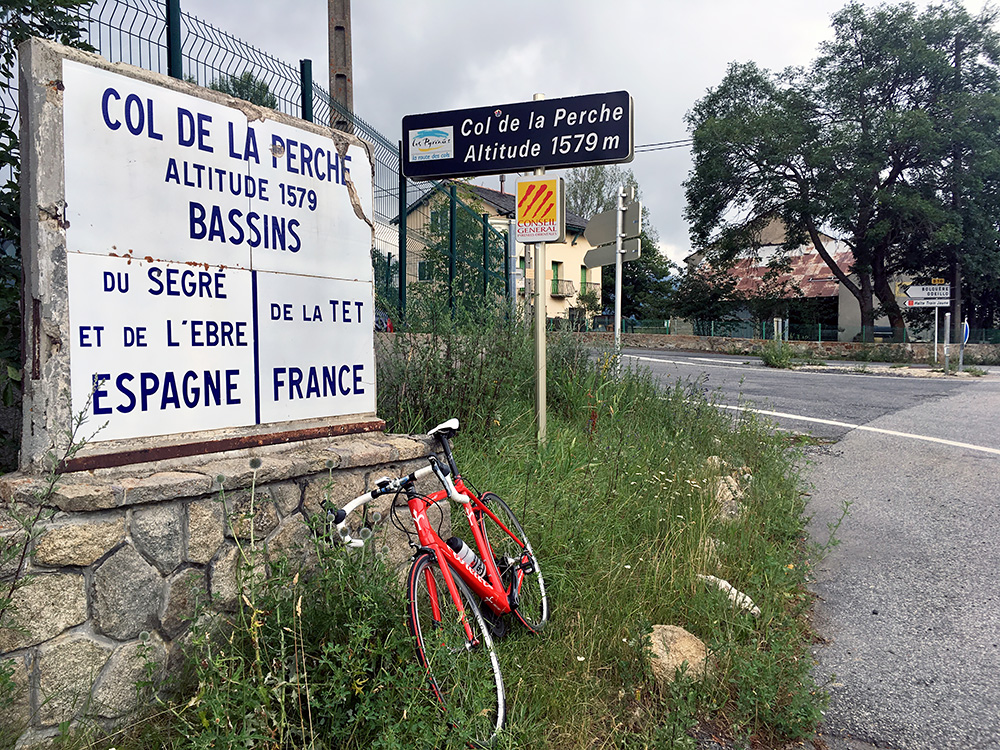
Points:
[(512, 265), (540, 369), (961, 346), (618, 278), (935, 333), (947, 339)]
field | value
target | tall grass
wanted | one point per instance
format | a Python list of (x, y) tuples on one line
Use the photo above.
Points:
[(620, 505), (621, 509)]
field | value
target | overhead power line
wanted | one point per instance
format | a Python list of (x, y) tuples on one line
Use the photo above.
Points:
[(664, 145)]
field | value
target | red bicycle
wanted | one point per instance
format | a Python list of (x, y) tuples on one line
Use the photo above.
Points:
[(448, 580)]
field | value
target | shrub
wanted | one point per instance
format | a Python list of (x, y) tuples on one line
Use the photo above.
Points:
[(777, 354)]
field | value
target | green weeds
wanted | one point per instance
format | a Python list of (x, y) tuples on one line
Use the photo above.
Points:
[(622, 506), (777, 354), (316, 655)]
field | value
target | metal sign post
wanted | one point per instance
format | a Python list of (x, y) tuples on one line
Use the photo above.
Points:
[(519, 137), (965, 340), (615, 237), (935, 332), (540, 321), (947, 339), (618, 278)]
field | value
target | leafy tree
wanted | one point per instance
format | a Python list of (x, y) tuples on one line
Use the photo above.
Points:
[(645, 282), (772, 297), (20, 20), (247, 87), (872, 143), (591, 190), (704, 295)]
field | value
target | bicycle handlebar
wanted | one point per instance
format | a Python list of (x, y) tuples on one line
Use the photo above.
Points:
[(386, 486)]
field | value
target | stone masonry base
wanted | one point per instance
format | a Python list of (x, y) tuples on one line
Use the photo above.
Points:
[(124, 554)]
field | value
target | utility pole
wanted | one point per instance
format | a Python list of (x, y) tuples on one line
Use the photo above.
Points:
[(956, 200), (341, 65)]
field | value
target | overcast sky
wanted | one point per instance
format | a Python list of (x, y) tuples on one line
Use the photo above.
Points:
[(413, 56)]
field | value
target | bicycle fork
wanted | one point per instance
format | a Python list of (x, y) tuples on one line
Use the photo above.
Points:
[(422, 524), (470, 638)]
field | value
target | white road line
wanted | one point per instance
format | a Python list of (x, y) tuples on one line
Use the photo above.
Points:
[(727, 366), (715, 359), (894, 433)]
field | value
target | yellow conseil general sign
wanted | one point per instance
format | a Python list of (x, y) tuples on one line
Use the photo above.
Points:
[(540, 215)]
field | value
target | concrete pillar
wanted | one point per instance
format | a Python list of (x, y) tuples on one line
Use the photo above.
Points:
[(341, 66)]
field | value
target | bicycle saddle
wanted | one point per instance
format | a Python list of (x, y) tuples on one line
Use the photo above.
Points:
[(448, 429)]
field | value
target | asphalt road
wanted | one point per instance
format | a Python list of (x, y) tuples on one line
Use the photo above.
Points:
[(908, 600)]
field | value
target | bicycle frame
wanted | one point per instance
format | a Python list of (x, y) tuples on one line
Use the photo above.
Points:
[(490, 591)]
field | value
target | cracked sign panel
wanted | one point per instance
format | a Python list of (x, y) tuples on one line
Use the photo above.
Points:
[(219, 262)]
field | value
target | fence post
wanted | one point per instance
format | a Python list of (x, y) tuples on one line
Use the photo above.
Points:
[(507, 262), (306, 75), (403, 217), (388, 274), (175, 64), (486, 255), (452, 246)]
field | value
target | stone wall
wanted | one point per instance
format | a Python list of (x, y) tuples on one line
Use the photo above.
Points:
[(125, 553), (916, 352)]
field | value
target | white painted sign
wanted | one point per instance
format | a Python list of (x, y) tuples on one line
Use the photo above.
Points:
[(925, 291), (219, 270)]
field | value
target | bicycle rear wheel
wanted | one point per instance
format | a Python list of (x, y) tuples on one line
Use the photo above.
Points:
[(465, 676), (517, 563)]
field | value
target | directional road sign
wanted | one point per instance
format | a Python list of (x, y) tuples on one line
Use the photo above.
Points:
[(605, 254), (600, 229), (925, 291), (927, 302), (572, 131)]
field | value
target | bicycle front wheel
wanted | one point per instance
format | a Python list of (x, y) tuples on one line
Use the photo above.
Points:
[(465, 675), (517, 563)]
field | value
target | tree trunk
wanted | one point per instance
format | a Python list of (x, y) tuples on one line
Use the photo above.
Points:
[(887, 297), (864, 297), (862, 290)]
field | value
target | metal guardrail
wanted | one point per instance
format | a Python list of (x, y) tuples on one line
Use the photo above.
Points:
[(563, 288)]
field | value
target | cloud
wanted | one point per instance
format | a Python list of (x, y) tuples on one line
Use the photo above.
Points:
[(413, 57)]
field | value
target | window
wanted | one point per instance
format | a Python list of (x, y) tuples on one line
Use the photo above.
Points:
[(425, 271)]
